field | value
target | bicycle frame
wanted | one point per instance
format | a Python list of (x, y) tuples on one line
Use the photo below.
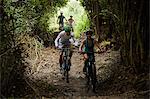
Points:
[(66, 58), (91, 72)]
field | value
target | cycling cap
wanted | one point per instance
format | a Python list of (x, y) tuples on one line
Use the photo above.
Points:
[(67, 29)]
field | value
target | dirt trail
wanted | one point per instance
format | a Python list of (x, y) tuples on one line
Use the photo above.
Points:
[(48, 82)]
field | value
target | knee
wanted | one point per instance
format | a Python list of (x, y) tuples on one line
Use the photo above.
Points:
[(60, 56), (85, 57)]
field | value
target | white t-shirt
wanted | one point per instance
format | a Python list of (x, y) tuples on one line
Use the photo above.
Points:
[(62, 38)]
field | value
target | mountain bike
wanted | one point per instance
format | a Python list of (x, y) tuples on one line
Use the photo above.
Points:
[(91, 71), (66, 63)]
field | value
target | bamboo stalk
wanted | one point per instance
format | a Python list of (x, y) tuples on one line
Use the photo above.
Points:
[(139, 40)]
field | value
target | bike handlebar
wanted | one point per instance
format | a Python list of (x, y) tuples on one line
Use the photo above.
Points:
[(78, 51), (86, 52)]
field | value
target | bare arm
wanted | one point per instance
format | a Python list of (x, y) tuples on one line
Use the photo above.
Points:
[(81, 46), (65, 18), (57, 40), (72, 36), (96, 43), (73, 21), (73, 39)]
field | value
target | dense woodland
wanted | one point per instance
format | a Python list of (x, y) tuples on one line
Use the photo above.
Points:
[(23, 29)]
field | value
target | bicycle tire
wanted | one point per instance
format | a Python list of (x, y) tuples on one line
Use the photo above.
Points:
[(67, 76), (89, 75), (66, 69), (93, 77)]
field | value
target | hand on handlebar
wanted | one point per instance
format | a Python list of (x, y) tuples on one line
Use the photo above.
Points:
[(80, 51), (57, 47)]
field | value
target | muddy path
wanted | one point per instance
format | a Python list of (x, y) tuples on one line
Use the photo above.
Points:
[(46, 80)]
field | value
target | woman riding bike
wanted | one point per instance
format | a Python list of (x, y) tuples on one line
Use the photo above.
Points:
[(88, 43)]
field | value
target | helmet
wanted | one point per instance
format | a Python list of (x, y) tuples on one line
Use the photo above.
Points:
[(61, 12), (89, 32), (67, 29)]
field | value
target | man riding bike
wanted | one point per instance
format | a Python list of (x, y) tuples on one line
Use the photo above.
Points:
[(88, 43), (60, 20), (63, 39)]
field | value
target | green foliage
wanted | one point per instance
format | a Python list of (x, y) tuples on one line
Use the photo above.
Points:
[(75, 9), (21, 19), (82, 24)]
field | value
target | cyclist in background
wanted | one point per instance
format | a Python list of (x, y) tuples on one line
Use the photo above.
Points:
[(71, 21), (88, 43), (60, 21)]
